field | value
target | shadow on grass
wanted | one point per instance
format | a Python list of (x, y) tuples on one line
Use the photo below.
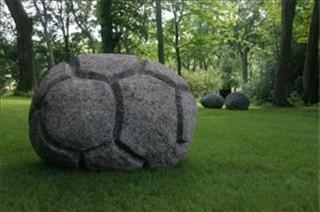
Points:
[(29, 174)]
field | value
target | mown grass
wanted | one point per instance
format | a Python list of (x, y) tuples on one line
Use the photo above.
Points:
[(256, 160)]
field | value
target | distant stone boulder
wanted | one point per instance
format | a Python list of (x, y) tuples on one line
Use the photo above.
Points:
[(237, 101), (212, 101), (112, 111)]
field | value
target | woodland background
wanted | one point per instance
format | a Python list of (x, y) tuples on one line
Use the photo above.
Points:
[(267, 48)]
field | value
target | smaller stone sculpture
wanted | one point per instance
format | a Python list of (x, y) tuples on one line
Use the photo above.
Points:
[(212, 101), (237, 101)]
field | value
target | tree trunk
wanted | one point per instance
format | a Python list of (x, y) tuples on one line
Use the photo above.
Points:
[(66, 39), (106, 26), (281, 85), (64, 10), (200, 64), (311, 66), (244, 58), (27, 79), (177, 49), (205, 65), (159, 32), (44, 23), (176, 43), (84, 29), (51, 62), (194, 66)]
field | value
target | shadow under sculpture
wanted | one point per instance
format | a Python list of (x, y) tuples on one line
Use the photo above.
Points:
[(108, 111)]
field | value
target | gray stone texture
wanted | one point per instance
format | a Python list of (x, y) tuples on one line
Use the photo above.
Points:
[(109, 111), (212, 101), (237, 101)]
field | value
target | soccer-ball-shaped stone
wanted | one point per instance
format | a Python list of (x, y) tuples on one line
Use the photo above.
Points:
[(212, 101), (109, 111), (237, 101)]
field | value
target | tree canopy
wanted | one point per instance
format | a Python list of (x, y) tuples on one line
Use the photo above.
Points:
[(214, 45)]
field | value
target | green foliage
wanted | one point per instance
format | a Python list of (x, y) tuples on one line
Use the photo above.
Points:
[(203, 82), (8, 63), (226, 36), (229, 67), (129, 22), (296, 65), (273, 169), (22, 94), (261, 89), (302, 20), (295, 99)]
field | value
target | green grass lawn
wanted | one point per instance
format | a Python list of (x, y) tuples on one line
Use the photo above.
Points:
[(256, 160)]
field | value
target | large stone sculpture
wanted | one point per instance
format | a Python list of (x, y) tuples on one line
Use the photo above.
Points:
[(108, 111)]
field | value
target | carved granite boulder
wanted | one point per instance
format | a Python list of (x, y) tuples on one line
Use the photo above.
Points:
[(108, 111)]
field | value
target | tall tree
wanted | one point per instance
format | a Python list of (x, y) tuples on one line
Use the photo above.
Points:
[(81, 11), (120, 21), (281, 84), (246, 35), (108, 39), (63, 16), (44, 20), (311, 66), (27, 79), (177, 9), (159, 32)]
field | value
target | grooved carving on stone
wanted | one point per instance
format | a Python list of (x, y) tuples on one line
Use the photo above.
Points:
[(116, 77), (178, 89), (119, 103), (84, 74), (74, 64), (119, 122), (51, 140), (164, 79), (119, 115), (96, 76), (38, 104), (180, 117)]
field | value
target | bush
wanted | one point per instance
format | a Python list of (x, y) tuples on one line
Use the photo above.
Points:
[(295, 99), (261, 90), (202, 82), (23, 94)]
